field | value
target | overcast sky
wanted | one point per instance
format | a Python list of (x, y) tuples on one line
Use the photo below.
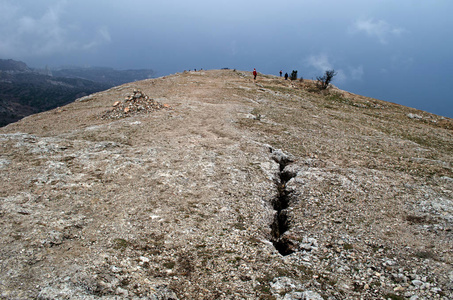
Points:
[(394, 50)]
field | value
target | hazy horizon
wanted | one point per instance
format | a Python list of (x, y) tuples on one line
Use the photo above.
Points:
[(393, 51)]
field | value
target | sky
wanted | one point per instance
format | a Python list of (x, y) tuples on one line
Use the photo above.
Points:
[(394, 50)]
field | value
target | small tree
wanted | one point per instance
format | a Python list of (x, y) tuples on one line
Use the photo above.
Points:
[(293, 75), (323, 81)]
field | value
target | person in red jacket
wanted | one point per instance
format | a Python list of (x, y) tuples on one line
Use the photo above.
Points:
[(254, 74)]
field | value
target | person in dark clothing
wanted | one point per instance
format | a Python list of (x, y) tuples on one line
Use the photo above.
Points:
[(281, 73), (286, 76), (254, 74)]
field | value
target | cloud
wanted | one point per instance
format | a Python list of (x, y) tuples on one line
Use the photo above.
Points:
[(401, 61), (102, 36), (378, 29), (321, 63), (7, 11), (356, 73), (44, 34)]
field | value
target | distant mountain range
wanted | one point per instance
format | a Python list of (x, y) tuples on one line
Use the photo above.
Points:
[(25, 91), (103, 75)]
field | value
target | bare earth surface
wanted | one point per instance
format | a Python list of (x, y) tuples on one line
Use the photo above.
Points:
[(209, 185)]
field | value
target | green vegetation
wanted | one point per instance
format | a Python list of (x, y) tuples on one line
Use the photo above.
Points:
[(120, 244), (337, 97), (425, 255), (169, 265), (348, 246)]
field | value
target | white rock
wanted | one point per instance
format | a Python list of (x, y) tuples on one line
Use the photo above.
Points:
[(417, 282), (414, 116), (121, 291), (310, 295), (144, 259), (283, 284)]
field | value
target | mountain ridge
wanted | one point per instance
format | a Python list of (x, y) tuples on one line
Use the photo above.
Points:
[(210, 185)]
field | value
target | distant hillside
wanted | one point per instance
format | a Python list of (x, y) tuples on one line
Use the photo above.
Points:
[(107, 76), (12, 65), (25, 91)]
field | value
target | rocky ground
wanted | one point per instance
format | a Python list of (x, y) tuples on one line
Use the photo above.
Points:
[(210, 185)]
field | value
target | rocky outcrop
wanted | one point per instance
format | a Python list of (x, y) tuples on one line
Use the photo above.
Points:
[(226, 188)]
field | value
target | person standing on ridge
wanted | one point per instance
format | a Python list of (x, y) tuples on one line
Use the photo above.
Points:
[(286, 76), (281, 73), (254, 74)]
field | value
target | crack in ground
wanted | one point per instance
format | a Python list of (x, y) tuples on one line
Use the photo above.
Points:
[(280, 203)]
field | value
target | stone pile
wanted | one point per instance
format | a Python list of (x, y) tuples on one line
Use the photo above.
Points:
[(135, 104)]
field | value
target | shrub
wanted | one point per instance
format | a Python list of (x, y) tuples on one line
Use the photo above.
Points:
[(323, 81)]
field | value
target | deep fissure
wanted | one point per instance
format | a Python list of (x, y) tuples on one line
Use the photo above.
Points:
[(280, 204)]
